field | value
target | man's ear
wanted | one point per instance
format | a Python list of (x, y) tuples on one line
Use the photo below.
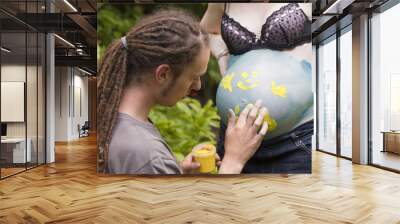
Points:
[(162, 74)]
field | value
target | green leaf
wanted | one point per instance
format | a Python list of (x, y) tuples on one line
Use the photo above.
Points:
[(186, 124)]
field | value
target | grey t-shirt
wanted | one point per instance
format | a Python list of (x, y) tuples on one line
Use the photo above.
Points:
[(136, 147)]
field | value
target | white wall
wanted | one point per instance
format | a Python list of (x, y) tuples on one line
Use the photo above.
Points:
[(14, 73), (61, 103), (17, 73), (12, 100), (70, 83), (81, 101), (33, 127)]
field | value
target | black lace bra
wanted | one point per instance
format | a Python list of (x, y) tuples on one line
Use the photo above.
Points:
[(284, 29)]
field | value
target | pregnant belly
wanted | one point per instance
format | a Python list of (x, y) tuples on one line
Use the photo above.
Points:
[(282, 82)]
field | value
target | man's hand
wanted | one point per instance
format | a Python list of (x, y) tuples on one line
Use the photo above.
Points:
[(242, 138), (190, 166)]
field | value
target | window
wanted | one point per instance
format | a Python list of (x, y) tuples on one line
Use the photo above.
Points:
[(346, 92), (385, 89), (22, 79), (327, 95)]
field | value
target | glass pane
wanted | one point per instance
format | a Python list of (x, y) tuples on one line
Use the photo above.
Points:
[(314, 84), (31, 97), (346, 94), (13, 86), (41, 99), (385, 84), (31, 85), (327, 96), (23, 82)]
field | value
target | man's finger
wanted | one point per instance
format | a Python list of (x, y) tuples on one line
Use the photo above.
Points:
[(243, 115), (263, 130), (260, 118), (253, 113), (232, 118), (195, 165), (258, 103)]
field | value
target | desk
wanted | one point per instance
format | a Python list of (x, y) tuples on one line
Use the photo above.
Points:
[(391, 141), (13, 150)]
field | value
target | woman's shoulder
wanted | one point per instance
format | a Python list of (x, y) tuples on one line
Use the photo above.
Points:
[(217, 6)]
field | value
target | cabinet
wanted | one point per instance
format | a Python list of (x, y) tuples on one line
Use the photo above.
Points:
[(13, 151), (391, 142)]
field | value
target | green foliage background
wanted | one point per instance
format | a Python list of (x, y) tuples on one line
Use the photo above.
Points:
[(191, 121), (186, 124)]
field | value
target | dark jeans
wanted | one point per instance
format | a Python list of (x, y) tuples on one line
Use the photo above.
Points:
[(288, 153)]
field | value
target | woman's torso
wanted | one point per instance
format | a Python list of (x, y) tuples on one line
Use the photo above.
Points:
[(260, 13), (253, 27)]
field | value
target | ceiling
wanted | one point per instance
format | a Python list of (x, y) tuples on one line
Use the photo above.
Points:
[(326, 15), (72, 20)]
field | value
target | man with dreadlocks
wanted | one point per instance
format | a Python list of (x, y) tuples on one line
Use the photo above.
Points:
[(160, 61)]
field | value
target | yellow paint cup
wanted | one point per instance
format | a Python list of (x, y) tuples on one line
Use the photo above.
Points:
[(205, 155)]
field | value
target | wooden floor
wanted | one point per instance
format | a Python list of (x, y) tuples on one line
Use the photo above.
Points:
[(70, 191), (5, 172), (10, 171)]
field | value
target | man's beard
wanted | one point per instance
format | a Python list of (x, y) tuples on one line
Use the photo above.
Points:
[(165, 90), (163, 96)]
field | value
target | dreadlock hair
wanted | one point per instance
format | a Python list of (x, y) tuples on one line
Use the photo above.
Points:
[(168, 36)]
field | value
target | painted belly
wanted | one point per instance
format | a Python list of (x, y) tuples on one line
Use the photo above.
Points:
[(282, 83)]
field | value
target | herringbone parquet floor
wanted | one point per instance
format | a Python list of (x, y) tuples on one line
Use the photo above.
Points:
[(70, 191)]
